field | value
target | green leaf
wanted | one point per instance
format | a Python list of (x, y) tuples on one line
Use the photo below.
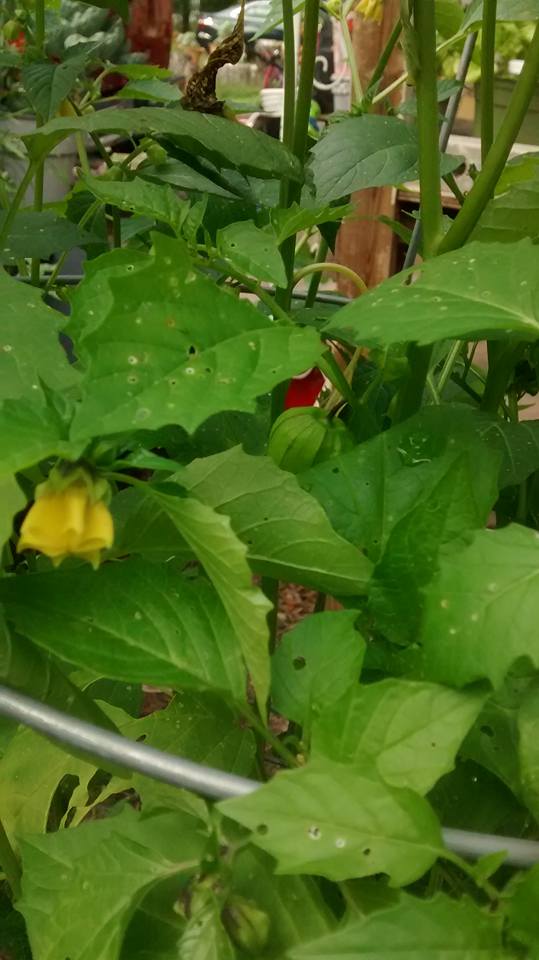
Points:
[(40, 235), (493, 741), (82, 908), (506, 10), (179, 174), (167, 346), (252, 252), (367, 151), (150, 88), (295, 905), (449, 16), (227, 144), (436, 929), (142, 527), (524, 166), (275, 16), (140, 71), (522, 909), (510, 216), (480, 609), (171, 630), (338, 822), (47, 84), (29, 345), (157, 201), (29, 432), (444, 88), (526, 748), (286, 531), (293, 219), (410, 730), (224, 558), (461, 491), (204, 937), (12, 500), (481, 290), (316, 665)]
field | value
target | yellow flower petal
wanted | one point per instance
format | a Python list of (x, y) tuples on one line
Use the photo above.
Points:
[(67, 522), (98, 531), (43, 527)]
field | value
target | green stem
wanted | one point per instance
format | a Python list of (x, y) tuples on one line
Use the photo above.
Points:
[(334, 268), (9, 863), (488, 50), (321, 255), (395, 84), (16, 202), (91, 211), (447, 368), (305, 88), (483, 187), (451, 182), (331, 369), (429, 179), (270, 587), (270, 738), (116, 228), (383, 61), (289, 75), (499, 374), (39, 40), (98, 143), (351, 57)]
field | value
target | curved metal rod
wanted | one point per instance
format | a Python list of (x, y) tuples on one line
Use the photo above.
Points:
[(206, 780)]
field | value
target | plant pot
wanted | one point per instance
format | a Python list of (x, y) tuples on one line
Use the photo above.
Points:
[(503, 89), (59, 165)]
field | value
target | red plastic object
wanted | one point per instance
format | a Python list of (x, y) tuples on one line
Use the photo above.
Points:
[(304, 390), (150, 29)]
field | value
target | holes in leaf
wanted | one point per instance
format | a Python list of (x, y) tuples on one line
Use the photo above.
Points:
[(335, 470), (208, 370), (366, 851), (192, 350), (487, 730), (262, 829), (299, 663)]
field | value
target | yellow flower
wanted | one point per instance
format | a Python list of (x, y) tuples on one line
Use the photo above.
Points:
[(68, 520), (370, 9)]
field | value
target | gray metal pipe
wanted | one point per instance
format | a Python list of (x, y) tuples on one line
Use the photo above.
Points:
[(206, 780)]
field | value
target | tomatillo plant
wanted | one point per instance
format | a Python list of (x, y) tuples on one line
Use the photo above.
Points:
[(191, 423)]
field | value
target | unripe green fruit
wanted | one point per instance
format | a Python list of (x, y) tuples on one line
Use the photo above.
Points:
[(12, 29), (303, 436), (246, 924)]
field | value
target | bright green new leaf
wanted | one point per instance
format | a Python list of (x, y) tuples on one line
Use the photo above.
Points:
[(205, 937), (339, 822), (316, 665), (157, 201), (40, 235), (82, 886), (496, 295), (252, 252), (522, 909), (47, 84), (287, 533), (164, 345), (481, 609), (448, 17), (134, 621), (366, 151), (505, 10), (225, 143), (296, 218), (29, 347), (224, 558), (151, 88), (410, 730), (437, 929)]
